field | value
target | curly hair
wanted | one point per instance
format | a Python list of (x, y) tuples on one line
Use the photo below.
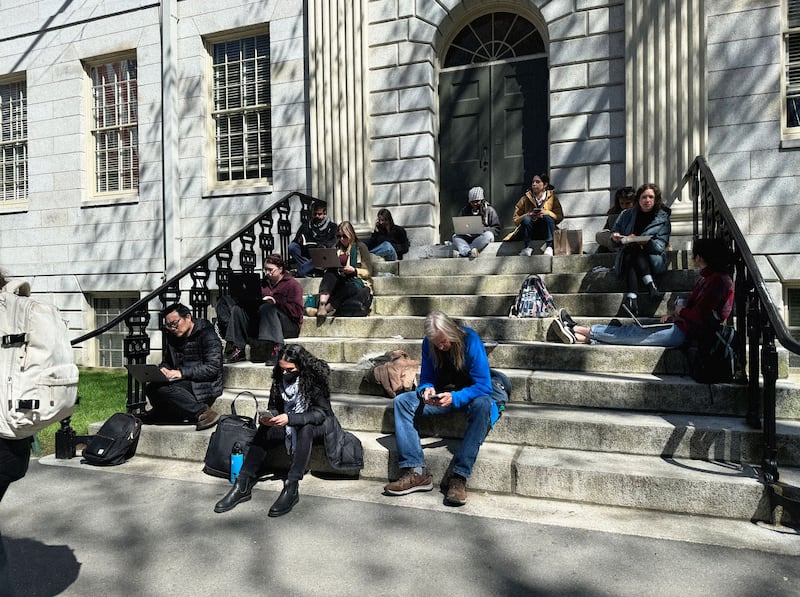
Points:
[(314, 372), (659, 202)]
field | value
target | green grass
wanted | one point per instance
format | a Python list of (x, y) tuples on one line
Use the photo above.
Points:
[(102, 392)]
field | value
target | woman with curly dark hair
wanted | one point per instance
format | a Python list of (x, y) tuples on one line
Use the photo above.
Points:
[(299, 415)]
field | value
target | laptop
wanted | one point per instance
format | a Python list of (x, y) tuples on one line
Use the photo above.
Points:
[(245, 288), (467, 225), (644, 325), (147, 373), (324, 257)]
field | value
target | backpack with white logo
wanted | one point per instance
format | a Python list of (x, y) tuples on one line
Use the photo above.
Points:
[(533, 299), (39, 378)]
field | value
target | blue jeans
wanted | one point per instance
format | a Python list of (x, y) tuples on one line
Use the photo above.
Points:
[(543, 228), (463, 244), (300, 255), (632, 335), (385, 250), (408, 408)]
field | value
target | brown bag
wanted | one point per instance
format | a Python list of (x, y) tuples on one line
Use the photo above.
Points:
[(568, 242), (397, 374)]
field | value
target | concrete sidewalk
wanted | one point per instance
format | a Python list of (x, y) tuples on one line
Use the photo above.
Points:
[(148, 528)]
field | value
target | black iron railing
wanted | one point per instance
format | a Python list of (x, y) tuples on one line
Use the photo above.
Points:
[(269, 232), (757, 320)]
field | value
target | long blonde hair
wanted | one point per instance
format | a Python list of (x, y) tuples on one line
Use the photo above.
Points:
[(436, 322)]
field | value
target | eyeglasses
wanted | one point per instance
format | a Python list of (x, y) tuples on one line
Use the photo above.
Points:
[(173, 325)]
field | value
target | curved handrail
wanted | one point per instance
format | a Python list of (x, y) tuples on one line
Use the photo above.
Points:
[(185, 271)]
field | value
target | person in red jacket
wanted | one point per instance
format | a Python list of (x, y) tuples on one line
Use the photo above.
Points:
[(711, 301), (280, 314)]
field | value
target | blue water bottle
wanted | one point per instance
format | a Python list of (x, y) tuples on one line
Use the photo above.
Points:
[(236, 461)]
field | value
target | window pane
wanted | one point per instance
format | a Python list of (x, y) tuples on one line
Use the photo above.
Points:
[(13, 142), (110, 344), (242, 106), (115, 113)]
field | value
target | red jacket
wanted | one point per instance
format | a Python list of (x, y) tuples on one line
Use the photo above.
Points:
[(712, 293), (288, 295)]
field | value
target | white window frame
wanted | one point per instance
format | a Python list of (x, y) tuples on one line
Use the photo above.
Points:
[(250, 166), (114, 118), (790, 86), (13, 143)]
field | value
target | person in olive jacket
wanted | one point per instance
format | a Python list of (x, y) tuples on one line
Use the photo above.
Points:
[(192, 361), (299, 415)]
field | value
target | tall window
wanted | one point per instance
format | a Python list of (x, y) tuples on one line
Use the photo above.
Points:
[(115, 117), (242, 118), (13, 141), (110, 345), (792, 44)]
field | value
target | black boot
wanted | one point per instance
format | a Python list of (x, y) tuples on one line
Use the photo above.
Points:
[(633, 306), (286, 500), (240, 492), (655, 293)]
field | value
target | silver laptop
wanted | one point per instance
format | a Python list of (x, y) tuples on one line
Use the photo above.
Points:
[(467, 225), (644, 325), (324, 257), (147, 373)]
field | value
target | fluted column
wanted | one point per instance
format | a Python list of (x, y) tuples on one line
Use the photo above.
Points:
[(338, 94)]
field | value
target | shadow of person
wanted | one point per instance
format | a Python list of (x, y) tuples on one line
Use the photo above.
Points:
[(27, 558)]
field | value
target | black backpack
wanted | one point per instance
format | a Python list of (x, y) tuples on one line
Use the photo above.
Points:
[(711, 357), (115, 442)]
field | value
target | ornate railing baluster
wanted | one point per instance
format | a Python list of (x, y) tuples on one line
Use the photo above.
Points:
[(137, 316)]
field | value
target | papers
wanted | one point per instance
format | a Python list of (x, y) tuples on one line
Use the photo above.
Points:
[(635, 239)]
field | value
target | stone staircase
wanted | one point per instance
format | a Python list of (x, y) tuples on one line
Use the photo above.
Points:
[(618, 426)]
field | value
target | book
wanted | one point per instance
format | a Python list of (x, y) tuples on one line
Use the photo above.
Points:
[(635, 239)]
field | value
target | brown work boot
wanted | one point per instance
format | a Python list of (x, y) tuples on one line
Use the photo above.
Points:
[(208, 418), (409, 483), (457, 492)]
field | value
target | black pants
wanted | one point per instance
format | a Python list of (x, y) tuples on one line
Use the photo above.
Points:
[(176, 400), (634, 266), (273, 324), (268, 437), (340, 288), (14, 457)]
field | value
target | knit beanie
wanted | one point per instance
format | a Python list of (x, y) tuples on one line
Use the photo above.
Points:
[(476, 194)]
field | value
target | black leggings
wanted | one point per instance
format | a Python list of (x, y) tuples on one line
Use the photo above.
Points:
[(634, 266)]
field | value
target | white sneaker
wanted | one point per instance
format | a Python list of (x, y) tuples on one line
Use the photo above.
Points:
[(454, 254), (548, 251), (473, 253), (526, 252)]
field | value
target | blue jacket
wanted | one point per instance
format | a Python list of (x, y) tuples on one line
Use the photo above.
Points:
[(477, 366), (660, 230)]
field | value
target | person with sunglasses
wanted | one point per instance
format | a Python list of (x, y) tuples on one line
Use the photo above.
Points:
[(192, 362), (348, 285), (299, 415)]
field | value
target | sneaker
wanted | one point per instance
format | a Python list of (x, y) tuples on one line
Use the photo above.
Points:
[(526, 252), (207, 419), (454, 254), (409, 483), (473, 253), (565, 332), (548, 251), (565, 318), (457, 492), (235, 356), (311, 311)]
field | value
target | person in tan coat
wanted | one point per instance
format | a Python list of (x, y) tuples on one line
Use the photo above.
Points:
[(536, 215)]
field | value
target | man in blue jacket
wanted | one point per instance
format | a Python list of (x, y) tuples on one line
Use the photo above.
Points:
[(455, 375)]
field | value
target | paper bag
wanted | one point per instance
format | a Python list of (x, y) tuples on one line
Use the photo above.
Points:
[(568, 242)]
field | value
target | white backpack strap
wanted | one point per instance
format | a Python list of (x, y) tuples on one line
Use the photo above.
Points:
[(19, 287)]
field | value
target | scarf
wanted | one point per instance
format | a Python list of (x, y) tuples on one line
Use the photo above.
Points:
[(322, 225), (293, 402)]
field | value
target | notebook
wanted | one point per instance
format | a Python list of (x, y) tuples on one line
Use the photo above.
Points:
[(644, 325), (324, 257), (467, 225), (245, 288), (147, 373)]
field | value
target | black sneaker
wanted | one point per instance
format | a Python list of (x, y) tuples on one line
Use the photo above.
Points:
[(564, 317), (565, 332), (236, 356)]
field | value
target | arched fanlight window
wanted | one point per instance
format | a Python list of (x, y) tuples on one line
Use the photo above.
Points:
[(496, 36)]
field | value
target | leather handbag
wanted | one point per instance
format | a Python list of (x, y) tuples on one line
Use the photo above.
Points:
[(231, 429)]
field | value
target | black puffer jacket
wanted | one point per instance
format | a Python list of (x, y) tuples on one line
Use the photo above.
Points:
[(199, 358), (343, 449)]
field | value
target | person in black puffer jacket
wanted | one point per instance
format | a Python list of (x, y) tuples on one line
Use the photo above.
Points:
[(299, 415), (192, 361)]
